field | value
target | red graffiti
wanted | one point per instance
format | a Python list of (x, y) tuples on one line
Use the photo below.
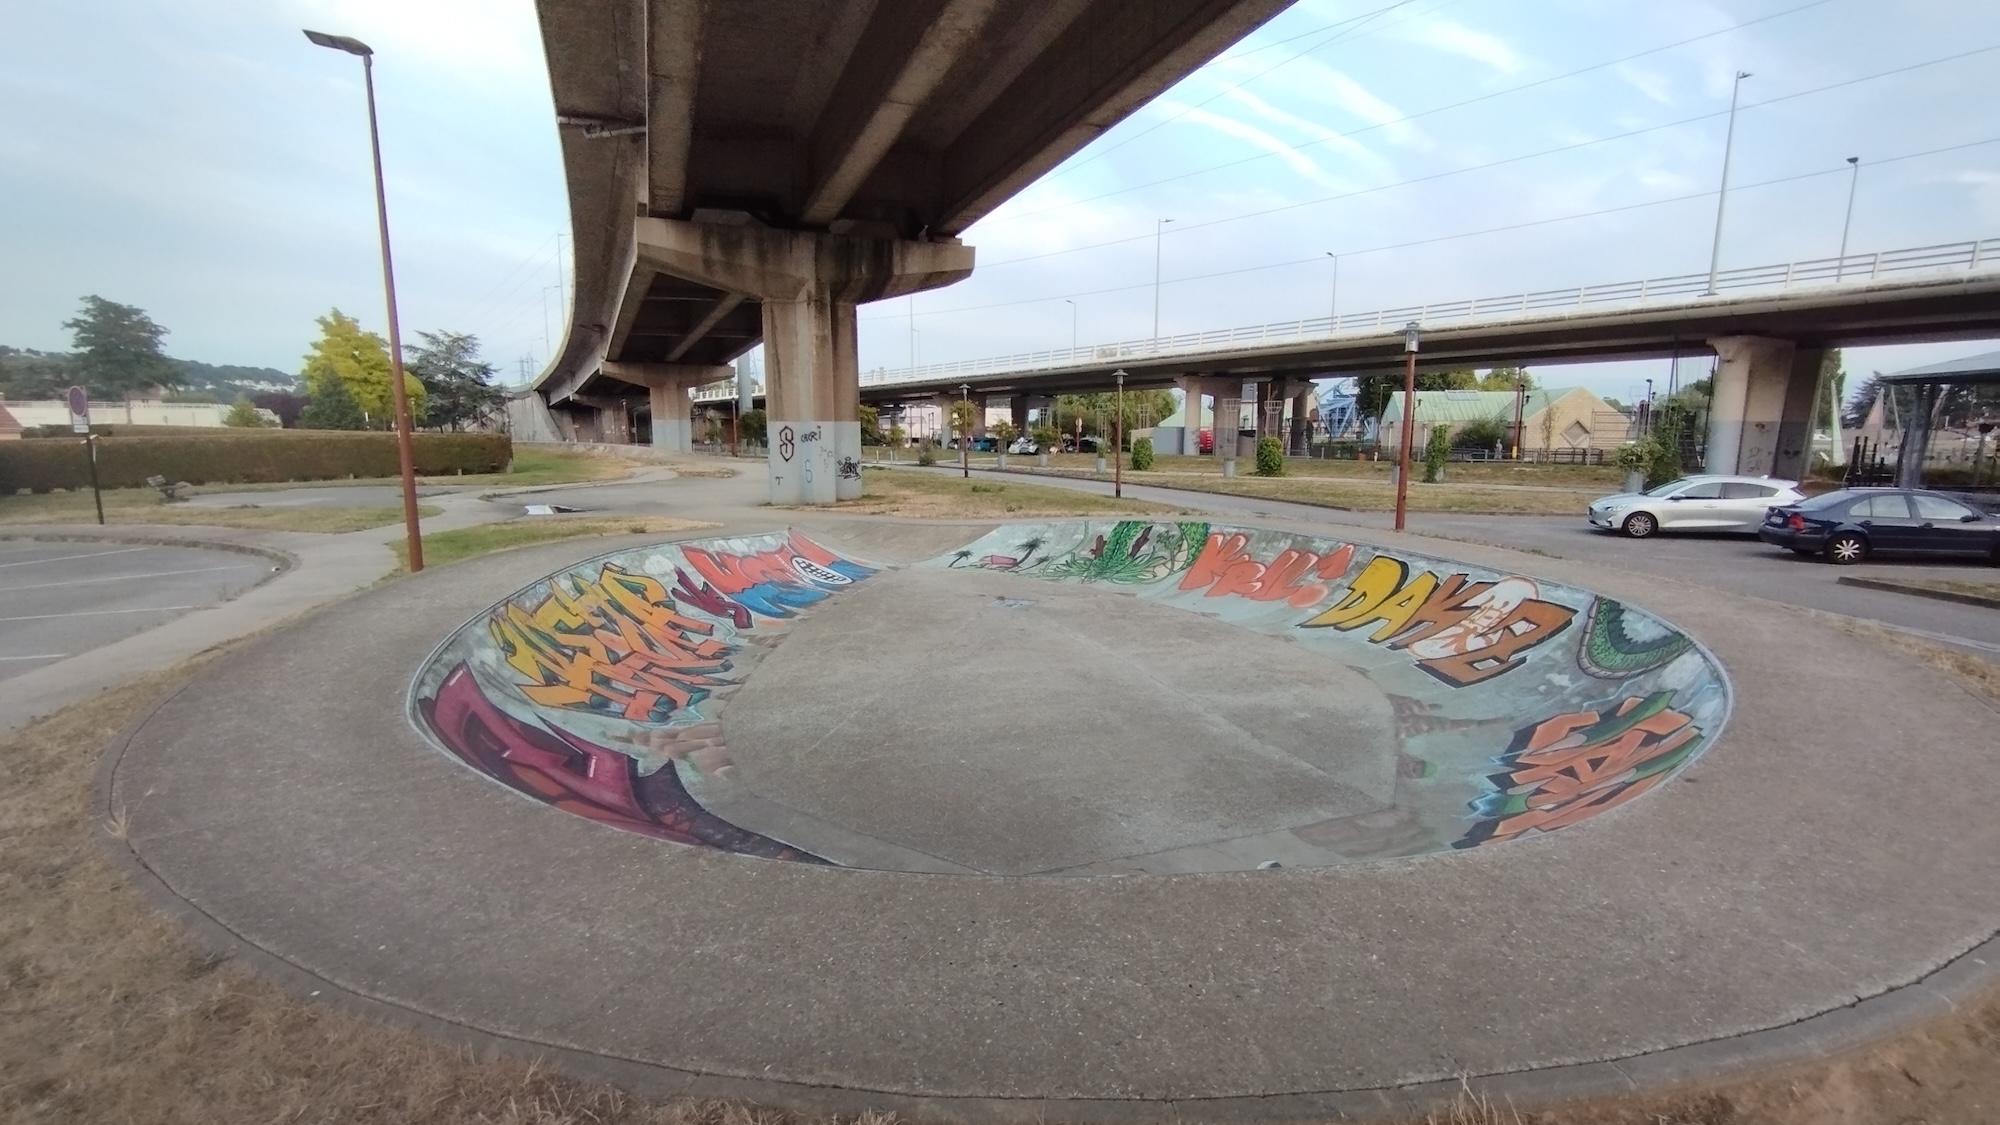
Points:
[(578, 776), (1226, 568)]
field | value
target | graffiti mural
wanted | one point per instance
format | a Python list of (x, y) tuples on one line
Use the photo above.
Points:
[(1509, 705), (1494, 681), (1459, 630), (596, 690), (1576, 765)]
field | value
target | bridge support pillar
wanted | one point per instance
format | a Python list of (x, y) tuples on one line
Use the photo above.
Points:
[(809, 284), (667, 385), (1760, 407)]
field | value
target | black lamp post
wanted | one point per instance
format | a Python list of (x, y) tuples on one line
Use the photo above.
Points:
[(1410, 333)]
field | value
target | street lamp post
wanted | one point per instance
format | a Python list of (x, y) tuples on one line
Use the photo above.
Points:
[(1159, 229), (1853, 182), (1520, 402), (399, 395), (1410, 333), (965, 438), (1072, 328), (1118, 442), (1333, 297), (1722, 197)]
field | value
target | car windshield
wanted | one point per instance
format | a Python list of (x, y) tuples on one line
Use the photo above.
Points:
[(1668, 488)]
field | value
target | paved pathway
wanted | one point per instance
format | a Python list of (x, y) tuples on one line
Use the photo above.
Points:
[(1819, 876)]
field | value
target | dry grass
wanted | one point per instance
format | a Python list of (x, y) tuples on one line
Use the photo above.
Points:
[(889, 492), (143, 506), (1373, 496), (467, 542), (110, 1013)]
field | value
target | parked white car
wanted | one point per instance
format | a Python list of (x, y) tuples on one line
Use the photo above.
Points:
[(1700, 503)]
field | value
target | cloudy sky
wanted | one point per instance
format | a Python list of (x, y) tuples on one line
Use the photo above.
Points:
[(201, 160)]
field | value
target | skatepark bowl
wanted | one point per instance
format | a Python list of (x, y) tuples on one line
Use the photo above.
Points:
[(1069, 699)]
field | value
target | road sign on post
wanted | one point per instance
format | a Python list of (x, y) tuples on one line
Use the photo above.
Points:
[(79, 411)]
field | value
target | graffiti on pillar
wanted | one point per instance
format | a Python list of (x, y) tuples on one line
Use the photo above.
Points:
[(1578, 764), (1459, 630), (786, 446)]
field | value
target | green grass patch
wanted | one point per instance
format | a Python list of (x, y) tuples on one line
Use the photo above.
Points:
[(471, 542)]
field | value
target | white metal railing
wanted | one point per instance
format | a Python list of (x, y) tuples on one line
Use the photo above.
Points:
[(1854, 268)]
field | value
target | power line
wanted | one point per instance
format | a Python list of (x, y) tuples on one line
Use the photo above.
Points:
[(1318, 258), (1185, 227), (1409, 117)]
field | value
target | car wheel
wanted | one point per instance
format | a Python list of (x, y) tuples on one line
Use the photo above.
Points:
[(1846, 549), (1639, 525)]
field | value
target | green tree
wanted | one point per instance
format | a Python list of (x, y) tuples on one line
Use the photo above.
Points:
[(458, 384), (118, 349), (244, 415), (1142, 454), (1004, 433), (1505, 379), (331, 407), (1436, 452), (1375, 391), (360, 362), (753, 427), (1270, 457), (871, 426), (1142, 409)]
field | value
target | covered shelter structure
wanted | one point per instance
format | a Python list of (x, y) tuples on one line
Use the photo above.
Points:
[(1960, 394)]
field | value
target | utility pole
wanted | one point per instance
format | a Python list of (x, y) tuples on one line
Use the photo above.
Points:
[(1118, 442), (1722, 197), (1333, 297), (1410, 333), (1072, 328), (1853, 182), (1159, 228)]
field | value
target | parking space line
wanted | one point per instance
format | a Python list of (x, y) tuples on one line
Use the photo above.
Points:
[(128, 577), (98, 613), (70, 558)]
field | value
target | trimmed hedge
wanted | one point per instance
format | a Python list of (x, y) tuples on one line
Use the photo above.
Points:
[(243, 457)]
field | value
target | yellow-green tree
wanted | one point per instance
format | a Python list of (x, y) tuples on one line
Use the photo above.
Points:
[(360, 362)]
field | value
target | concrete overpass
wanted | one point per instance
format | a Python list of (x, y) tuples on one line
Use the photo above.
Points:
[(747, 172), (1770, 325)]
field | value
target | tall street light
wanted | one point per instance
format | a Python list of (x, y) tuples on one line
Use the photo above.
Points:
[(1159, 228), (965, 437), (1410, 333), (1072, 328), (1853, 181), (400, 395), (1722, 197), (1118, 442), (1333, 297)]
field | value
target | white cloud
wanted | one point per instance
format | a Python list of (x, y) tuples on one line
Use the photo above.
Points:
[(1651, 84), (1457, 39), (1377, 166), (1243, 131)]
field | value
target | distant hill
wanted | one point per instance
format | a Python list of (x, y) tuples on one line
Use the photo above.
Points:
[(27, 374)]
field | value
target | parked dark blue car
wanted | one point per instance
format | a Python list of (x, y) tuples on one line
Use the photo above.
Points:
[(1854, 523)]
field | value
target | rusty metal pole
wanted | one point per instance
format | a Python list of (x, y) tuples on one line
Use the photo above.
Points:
[(1409, 420), (1118, 443)]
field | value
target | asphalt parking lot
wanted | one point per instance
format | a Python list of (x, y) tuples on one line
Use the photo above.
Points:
[(60, 599)]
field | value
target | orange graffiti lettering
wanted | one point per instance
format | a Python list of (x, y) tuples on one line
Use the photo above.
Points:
[(1226, 568)]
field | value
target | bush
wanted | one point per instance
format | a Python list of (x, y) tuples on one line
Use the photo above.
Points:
[(927, 452), (1142, 454), (244, 457), (1436, 452), (1270, 457), (1484, 434)]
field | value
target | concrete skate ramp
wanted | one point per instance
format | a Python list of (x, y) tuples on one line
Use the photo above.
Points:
[(1069, 698)]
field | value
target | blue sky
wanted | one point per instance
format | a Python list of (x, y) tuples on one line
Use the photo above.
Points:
[(201, 160)]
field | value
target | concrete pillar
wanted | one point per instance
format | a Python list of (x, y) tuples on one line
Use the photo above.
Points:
[(1192, 387), (1228, 395), (667, 385), (809, 284), (1018, 406), (1300, 439), (1760, 409)]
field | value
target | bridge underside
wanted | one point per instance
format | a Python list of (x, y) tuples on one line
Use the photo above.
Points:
[(751, 172)]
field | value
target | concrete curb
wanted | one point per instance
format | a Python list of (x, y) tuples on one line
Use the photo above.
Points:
[(1811, 1039), (285, 559), (1919, 591)]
